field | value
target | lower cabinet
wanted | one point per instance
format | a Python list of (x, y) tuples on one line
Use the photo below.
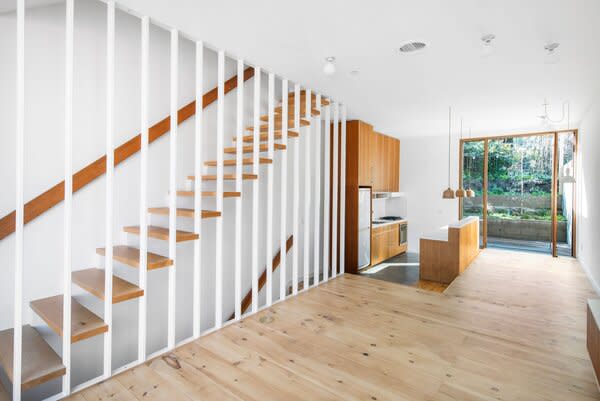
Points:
[(385, 243)]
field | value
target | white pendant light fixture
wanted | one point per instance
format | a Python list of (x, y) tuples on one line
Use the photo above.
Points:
[(449, 192), (460, 192), (469, 192), (329, 67), (487, 44), (552, 54)]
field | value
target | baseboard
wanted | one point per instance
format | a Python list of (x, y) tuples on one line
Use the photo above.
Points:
[(590, 277)]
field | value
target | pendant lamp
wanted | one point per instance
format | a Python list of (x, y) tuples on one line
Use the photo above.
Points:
[(469, 192), (449, 192), (460, 192)]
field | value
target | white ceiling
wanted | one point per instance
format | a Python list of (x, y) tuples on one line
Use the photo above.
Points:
[(409, 95)]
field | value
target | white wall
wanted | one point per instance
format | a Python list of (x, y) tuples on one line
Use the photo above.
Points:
[(424, 169), (44, 168), (588, 194)]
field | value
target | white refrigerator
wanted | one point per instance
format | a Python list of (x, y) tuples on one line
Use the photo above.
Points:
[(364, 227)]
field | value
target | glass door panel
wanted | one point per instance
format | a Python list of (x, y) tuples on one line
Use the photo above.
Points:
[(472, 178), (566, 193), (519, 192)]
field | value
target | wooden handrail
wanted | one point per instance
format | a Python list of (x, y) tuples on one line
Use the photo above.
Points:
[(247, 301), (52, 197)]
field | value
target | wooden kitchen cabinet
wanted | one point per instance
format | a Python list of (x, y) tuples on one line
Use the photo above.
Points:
[(379, 160), (385, 242)]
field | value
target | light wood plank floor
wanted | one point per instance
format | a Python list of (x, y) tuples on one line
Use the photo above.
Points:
[(512, 327)]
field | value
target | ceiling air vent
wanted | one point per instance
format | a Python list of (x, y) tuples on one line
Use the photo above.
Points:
[(411, 47)]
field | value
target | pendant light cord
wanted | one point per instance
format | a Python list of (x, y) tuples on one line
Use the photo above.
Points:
[(449, 139)]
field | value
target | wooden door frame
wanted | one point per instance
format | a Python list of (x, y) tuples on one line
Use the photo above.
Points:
[(554, 195)]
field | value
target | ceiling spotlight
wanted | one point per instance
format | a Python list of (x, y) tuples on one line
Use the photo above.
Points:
[(551, 50), (487, 44), (354, 73), (329, 67)]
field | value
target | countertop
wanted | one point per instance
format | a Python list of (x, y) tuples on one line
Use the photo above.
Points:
[(388, 223)]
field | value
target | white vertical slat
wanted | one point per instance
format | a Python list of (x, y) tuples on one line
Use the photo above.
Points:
[(143, 270), (334, 211), (199, 162), (255, 197), (326, 191), (343, 194), (219, 222), (68, 209), (19, 204), (173, 189), (110, 168), (296, 193), (307, 188), (284, 178), (238, 187), (270, 152), (317, 208)]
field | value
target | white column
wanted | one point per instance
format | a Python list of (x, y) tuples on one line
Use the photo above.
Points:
[(270, 152), (284, 178), (296, 193), (110, 168), (239, 155), (326, 191), (334, 211), (198, 163), (307, 188), (255, 197), (19, 203), (143, 270), (317, 208), (343, 194), (173, 189), (219, 222)]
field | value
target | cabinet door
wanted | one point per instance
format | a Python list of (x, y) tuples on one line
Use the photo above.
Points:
[(393, 164), (373, 159), (364, 154)]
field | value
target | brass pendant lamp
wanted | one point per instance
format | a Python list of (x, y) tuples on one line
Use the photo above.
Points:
[(469, 192), (449, 192), (460, 192)]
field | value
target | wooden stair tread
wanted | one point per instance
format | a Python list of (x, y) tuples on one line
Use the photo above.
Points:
[(162, 233), (40, 363), (131, 256), (184, 212), (233, 162), (264, 147), (227, 177), (313, 111), (84, 323), (211, 194), (324, 102), (265, 127), (92, 280), (265, 137)]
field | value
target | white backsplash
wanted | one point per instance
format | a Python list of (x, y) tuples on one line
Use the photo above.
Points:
[(389, 207)]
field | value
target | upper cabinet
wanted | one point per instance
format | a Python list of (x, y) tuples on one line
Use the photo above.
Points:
[(378, 159)]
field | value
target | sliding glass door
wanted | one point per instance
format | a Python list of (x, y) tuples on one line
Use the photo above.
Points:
[(524, 190)]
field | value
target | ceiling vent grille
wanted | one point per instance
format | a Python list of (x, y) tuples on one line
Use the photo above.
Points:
[(412, 47)]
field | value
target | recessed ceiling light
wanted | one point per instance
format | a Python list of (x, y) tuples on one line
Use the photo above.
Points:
[(487, 44), (412, 46), (552, 55), (329, 67), (354, 73)]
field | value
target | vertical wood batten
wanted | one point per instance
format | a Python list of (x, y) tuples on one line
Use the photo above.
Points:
[(334, 211), (255, 194), (296, 192), (238, 187), (307, 188), (144, 95), (326, 192), (199, 162), (68, 209), (270, 152), (19, 202), (219, 222), (343, 193), (110, 168), (284, 178), (317, 216), (174, 94)]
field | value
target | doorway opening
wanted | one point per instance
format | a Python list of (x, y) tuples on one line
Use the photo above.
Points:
[(524, 190)]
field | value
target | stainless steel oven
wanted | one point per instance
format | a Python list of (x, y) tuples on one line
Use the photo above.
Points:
[(403, 233)]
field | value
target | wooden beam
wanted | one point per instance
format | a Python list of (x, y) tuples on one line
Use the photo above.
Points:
[(247, 301), (52, 197)]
